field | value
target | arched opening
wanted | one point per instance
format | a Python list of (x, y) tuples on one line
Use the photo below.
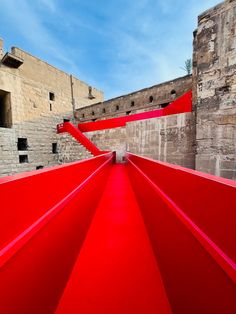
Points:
[(151, 99)]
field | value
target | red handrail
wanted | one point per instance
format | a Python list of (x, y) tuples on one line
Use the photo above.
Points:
[(180, 105), (80, 137)]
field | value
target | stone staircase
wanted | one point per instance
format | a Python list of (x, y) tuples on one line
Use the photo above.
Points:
[(70, 149)]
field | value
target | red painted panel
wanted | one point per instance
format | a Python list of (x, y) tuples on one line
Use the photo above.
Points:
[(208, 200), (25, 197), (180, 105), (33, 278), (194, 280)]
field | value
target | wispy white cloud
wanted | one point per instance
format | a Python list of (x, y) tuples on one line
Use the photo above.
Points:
[(29, 24), (119, 45)]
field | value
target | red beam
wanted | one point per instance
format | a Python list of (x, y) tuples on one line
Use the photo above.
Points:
[(180, 105), (80, 137)]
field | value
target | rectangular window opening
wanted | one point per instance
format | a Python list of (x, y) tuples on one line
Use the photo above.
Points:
[(54, 148), (23, 159), (5, 110), (22, 144), (51, 96)]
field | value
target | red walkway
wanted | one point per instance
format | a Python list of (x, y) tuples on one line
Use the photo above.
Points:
[(116, 271), (93, 237)]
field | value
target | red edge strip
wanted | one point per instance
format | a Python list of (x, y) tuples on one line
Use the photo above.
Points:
[(225, 262), (15, 245)]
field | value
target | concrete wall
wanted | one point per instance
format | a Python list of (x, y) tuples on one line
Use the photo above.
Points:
[(161, 94), (34, 116), (214, 78)]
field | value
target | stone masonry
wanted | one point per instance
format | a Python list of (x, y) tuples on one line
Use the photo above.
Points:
[(214, 77), (169, 139), (36, 97), (154, 97)]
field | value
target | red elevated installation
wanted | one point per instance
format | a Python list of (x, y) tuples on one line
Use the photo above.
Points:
[(80, 137), (45, 216), (180, 105), (190, 219), (141, 237)]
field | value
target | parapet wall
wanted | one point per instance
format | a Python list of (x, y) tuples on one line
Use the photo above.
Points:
[(154, 97)]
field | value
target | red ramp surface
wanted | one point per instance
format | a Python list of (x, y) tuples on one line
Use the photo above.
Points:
[(116, 271), (141, 237)]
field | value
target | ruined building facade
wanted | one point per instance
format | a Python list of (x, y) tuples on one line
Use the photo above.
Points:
[(35, 97)]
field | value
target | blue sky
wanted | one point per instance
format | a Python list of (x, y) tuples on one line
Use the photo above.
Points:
[(117, 46)]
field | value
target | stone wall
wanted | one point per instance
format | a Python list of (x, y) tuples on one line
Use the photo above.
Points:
[(37, 97), (110, 140), (154, 97), (169, 138), (41, 136), (214, 75)]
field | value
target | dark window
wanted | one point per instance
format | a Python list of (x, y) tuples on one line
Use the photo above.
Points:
[(39, 167), (151, 99), (90, 93), (132, 103), (22, 144), (50, 106), (117, 107), (83, 115), (23, 159), (173, 92), (51, 96), (164, 105), (5, 110), (93, 113), (104, 110), (54, 148), (128, 112)]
